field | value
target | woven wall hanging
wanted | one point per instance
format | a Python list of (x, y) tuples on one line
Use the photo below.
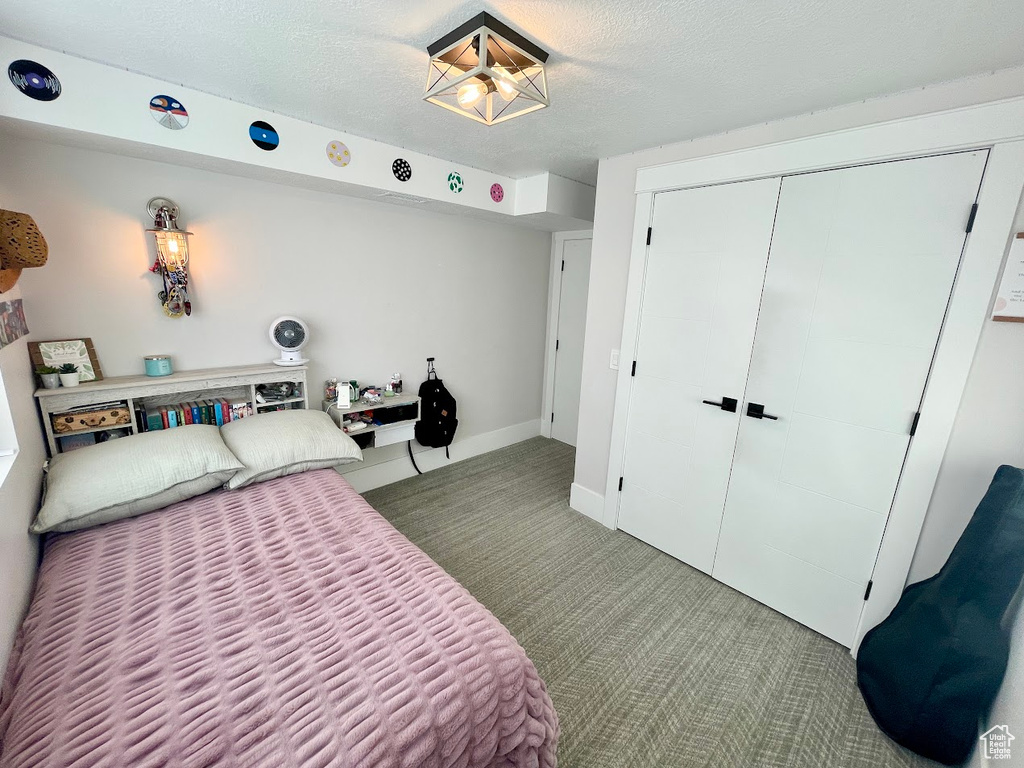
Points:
[(22, 246)]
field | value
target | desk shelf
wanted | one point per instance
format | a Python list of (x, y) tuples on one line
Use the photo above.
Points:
[(379, 434)]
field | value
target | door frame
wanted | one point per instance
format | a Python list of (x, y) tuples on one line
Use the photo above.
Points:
[(997, 126), (558, 240)]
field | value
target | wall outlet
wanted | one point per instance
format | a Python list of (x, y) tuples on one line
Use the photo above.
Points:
[(613, 363)]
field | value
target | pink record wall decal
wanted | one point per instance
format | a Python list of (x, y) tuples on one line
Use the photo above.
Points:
[(497, 193)]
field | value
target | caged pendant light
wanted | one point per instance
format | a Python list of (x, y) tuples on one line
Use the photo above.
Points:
[(486, 71)]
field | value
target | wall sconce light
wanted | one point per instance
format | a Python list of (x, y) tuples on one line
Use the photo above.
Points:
[(486, 71), (171, 257)]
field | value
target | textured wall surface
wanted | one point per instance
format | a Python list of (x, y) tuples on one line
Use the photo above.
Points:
[(382, 287), (623, 76)]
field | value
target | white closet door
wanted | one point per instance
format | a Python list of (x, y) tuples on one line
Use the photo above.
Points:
[(861, 268), (705, 268), (572, 324)]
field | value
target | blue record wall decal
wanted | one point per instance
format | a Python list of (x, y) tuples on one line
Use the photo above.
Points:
[(34, 80), (263, 135)]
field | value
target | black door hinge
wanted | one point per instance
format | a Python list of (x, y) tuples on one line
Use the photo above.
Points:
[(563, 265), (867, 592), (913, 424), (556, 345), (620, 483), (970, 219), (633, 372), (552, 417), (649, 229)]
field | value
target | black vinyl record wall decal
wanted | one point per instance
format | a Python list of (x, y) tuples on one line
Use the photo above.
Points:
[(264, 136), (401, 169), (34, 80)]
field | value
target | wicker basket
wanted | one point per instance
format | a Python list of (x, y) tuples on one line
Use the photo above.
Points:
[(22, 245)]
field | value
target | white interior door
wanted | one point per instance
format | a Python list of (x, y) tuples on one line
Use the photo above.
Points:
[(702, 284), (572, 323), (861, 269)]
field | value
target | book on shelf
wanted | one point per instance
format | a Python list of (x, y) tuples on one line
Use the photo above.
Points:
[(217, 411), (240, 409)]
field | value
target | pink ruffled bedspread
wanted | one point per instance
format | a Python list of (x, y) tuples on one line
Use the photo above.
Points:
[(286, 624)]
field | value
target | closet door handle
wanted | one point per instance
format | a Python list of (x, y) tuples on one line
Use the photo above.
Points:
[(756, 411), (728, 404)]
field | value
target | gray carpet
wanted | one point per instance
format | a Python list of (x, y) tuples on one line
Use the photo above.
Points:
[(648, 661)]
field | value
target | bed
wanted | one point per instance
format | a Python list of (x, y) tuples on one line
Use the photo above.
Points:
[(284, 624)]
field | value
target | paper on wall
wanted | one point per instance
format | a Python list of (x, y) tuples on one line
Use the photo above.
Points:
[(1009, 306)]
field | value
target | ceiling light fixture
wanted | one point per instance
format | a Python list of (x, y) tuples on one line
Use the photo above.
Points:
[(484, 59)]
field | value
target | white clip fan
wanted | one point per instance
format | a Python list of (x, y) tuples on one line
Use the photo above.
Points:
[(289, 334)]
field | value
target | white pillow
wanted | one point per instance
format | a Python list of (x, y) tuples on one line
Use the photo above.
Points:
[(286, 442), (132, 475)]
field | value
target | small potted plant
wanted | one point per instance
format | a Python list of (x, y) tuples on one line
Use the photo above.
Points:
[(69, 375), (49, 375)]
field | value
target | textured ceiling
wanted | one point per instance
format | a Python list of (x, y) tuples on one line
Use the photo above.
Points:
[(623, 75)]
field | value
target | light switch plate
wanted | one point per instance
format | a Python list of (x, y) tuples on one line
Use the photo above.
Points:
[(613, 363)]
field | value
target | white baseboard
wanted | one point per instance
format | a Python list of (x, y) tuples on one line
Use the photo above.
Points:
[(587, 502), (375, 475)]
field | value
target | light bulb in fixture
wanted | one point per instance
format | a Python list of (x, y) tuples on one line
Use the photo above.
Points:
[(470, 94), (503, 83)]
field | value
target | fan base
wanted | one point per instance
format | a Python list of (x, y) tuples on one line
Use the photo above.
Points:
[(290, 363)]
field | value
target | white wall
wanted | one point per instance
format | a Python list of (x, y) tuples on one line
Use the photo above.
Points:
[(20, 488), (990, 423), (19, 494), (613, 222), (382, 287), (21, 484), (989, 431)]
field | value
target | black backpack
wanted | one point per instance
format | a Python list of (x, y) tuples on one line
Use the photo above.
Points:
[(933, 668), (437, 424)]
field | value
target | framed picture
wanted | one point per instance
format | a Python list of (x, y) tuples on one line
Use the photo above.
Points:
[(81, 352)]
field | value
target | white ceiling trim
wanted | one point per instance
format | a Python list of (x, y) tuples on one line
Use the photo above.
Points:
[(623, 76), (110, 108)]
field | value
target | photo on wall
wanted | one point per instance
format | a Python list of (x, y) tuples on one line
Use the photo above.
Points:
[(12, 322)]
